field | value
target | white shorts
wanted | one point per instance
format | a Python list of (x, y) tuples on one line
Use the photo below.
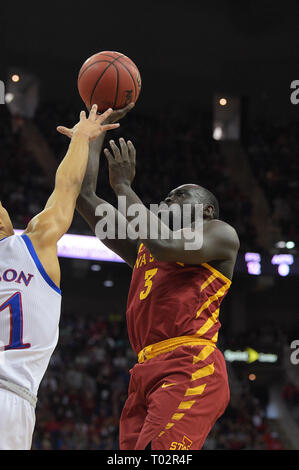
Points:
[(17, 421)]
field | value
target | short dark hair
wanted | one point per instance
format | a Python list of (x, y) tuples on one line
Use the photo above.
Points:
[(207, 197)]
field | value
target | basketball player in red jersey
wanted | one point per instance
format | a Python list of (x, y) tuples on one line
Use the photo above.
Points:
[(179, 388)]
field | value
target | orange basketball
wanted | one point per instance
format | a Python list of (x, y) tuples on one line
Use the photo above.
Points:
[(110, 80)]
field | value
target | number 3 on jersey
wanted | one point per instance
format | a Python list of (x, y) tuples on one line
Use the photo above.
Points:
[(149, 274)]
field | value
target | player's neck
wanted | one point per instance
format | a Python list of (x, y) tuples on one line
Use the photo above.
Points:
[(199, 222)]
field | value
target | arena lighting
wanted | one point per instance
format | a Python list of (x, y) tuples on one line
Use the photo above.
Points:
[(95, 267), (290, 245), (9, 97), (217, 134), (25, 87), (283, 261), (227, 116), (108, 283), (249, 355), (280, 244), (252, 377), (253, 261), (283, 269), (83, 247)]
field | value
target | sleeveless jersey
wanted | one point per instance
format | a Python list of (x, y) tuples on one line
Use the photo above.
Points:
[(167, 300), (30, 305)]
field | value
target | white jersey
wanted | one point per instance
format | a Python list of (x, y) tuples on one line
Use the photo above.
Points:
[(30, 304)]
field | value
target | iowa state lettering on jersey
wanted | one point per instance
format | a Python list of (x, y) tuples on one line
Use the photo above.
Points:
[(11, 275), (143, 258)]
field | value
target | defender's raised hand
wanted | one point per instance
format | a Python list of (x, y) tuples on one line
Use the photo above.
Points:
[(122, 163), (92, 126)]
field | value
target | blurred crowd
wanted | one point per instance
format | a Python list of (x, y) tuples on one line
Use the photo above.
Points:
[(290, 395), (267, 337), (245, 425), (274, 156), (24, 190)]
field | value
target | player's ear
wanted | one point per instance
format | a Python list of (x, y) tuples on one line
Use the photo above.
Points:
[(208, 211)]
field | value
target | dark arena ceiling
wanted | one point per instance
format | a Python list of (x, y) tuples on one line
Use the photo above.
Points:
[(185, 50)]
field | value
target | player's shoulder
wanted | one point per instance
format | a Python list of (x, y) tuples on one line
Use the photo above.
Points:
[(223, 231)]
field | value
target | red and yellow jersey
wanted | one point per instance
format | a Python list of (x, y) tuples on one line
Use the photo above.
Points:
[(168, 300)]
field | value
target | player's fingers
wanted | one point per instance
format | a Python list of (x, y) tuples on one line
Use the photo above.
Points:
[(108, 127), (116, 151), (105, 115), (82, 115), (124, 149), (109, 156), (128, 108), (132, 152), (64, 130), (93, 112)]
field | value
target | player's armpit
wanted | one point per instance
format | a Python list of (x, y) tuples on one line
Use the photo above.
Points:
[(44, 230), (219, 241), (126, 248)]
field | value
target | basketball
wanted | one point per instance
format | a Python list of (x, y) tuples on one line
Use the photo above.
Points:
[(110, 80)]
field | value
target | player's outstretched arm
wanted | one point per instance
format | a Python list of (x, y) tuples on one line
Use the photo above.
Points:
[(88, 201), (46, 228), (215, 239)]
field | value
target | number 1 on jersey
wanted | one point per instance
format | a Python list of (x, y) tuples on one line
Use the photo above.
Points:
[(149, 274), (16, 322)]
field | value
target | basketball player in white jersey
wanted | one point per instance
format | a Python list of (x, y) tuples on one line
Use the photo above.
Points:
[(30, 296)]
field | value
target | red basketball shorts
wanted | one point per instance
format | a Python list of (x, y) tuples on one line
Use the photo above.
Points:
[(174, 399)]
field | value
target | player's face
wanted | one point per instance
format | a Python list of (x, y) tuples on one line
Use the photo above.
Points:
[(190, 194), (5, 223), (184, 194)]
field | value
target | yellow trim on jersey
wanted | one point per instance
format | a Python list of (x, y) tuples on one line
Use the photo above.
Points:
[(211, 321), (195, 390), (215, 337), (208, 281), (217, 273), (169, 425), (203, 372), (177, 416), (169, 345), (220, 293), (204, 353), (186, 405)]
